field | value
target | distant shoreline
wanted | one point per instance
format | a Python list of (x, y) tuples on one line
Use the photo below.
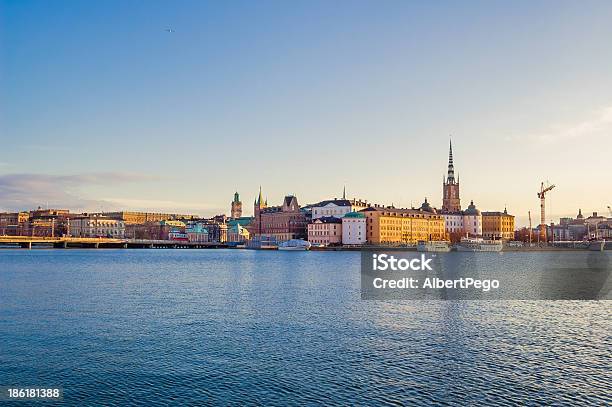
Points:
[(171, 246)]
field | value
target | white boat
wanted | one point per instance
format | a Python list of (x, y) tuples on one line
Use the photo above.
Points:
[(433, 246), (294, 244), (597, 245), (479, 245)]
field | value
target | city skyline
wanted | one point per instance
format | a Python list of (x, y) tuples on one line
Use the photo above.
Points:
[(304, 99)]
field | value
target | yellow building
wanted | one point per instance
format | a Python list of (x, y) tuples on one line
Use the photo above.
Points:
[(139, 218), (498, 225), (387, 225)]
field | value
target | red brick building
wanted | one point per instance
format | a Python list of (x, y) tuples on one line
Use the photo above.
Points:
[(283, 222)]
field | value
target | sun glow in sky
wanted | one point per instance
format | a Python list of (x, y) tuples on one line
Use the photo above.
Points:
[(103, 107)]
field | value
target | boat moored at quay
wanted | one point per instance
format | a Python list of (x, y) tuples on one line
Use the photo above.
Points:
[(295, 244), (433, 246), (468, 244)]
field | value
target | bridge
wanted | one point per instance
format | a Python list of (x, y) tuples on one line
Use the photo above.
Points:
[(28, 242)]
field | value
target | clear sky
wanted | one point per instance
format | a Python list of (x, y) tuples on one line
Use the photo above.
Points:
[(101, 107)]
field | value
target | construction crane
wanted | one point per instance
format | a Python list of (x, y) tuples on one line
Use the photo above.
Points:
[(542, 196)]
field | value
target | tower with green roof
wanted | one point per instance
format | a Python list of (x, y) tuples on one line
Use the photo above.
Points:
[(236, 211)]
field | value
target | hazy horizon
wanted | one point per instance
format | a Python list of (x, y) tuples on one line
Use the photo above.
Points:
[(175, 106)]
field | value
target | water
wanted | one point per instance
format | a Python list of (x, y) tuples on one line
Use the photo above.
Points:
[(160, 327)]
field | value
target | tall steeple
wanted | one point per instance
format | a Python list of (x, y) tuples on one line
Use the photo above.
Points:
[(450, 186), (344, 192), (259, 206), (450, 178), (259, 202)]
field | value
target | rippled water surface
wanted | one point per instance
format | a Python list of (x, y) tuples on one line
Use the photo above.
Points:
[(159, 327)]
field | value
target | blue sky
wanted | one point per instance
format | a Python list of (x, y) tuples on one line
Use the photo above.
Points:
[(101, 108)]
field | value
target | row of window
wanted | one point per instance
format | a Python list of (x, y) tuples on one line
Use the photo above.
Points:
[(320, 233), (410, 220), (321, 226), (105, 224)]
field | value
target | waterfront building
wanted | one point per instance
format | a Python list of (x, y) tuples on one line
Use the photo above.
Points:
[(326, 230), (604, 230), (450, 187), (472, 221), (236, 210), (132, 218), (354, 228), (141, 230), (283, 222), (42, 227), (559, 232), (160, 230), (457, 224), (580, 228), (577, 228), (453, 223), (570, 228), (237, 234), (595, 219), (49, 222), (171, 230), (14, 223), (336, 207), (96, 226), (566, 227), (196, 232), (597, 226), (389, 225), (217, 229), (497, 225)]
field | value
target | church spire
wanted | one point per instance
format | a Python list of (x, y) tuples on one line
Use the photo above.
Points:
[(450, 178), (259, 200), (450, 192), (344, 192)]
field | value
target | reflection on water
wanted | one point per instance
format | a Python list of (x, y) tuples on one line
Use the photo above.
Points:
[(159, 327)]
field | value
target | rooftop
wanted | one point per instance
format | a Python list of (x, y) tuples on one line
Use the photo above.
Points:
[(328, 219), (340, 202), (404, 211)]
